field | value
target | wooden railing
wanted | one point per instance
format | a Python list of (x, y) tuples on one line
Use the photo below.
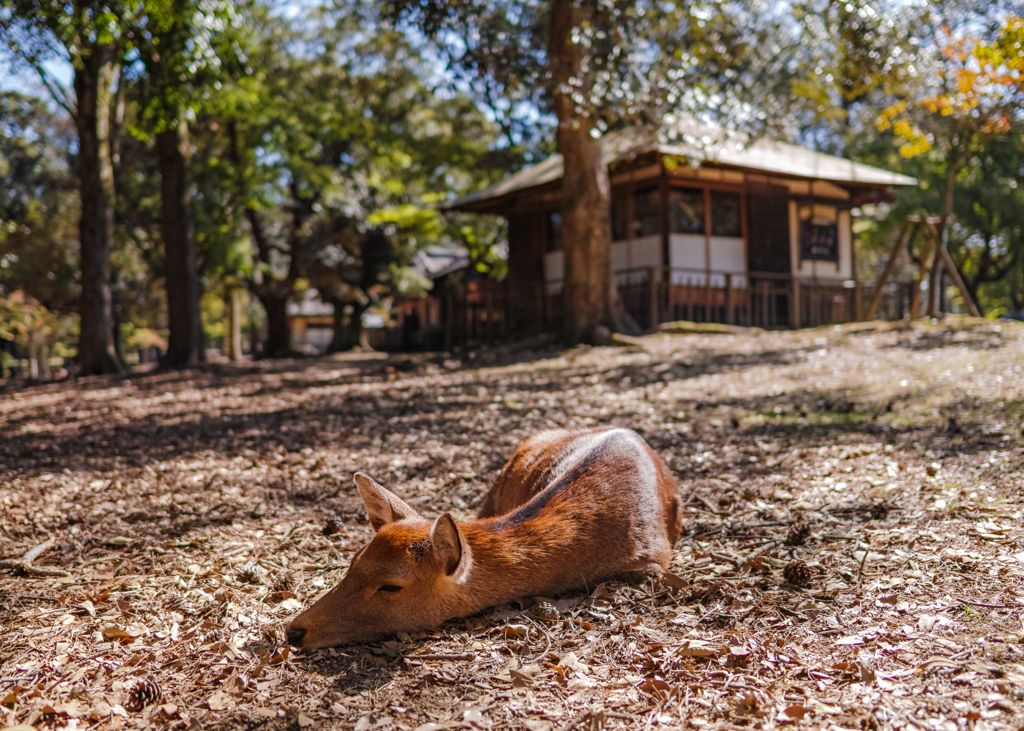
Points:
[(653, 295), (487, 312)]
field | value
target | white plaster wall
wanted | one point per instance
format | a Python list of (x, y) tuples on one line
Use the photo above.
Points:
[(686, 251), (646, 252), (728, 254), (620, 256), (635, 255)]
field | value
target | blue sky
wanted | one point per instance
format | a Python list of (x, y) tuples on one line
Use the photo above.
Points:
[(27, 81)]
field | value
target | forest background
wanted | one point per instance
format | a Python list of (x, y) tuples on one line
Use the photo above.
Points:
[(174, 172)]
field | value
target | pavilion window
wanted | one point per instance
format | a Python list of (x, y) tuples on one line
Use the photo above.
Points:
[(725, 214), (646, 212), (686, 210)]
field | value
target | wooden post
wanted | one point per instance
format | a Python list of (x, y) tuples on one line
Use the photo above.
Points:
[(922, 271), (794, 307), (729, 318), (652, 279), (935, 275), (858, 295), (954, 274), (906, 235)]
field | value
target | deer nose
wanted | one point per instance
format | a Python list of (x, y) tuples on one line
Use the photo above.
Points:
[(295, 635)]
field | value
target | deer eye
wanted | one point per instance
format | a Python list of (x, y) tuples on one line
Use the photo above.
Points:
[(391, 588)]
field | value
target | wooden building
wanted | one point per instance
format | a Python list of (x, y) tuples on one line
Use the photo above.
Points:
[(757, 234)]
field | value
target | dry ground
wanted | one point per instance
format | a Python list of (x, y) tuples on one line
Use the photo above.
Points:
[(182, 519)]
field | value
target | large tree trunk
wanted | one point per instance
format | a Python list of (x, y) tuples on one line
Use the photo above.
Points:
[(184, 344), (94, 78), (278, 343), (586, 193)]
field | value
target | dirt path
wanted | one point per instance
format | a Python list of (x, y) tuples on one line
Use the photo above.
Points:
[(182, 518)]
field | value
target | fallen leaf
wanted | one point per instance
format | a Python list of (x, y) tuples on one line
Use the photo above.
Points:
[(221, 701), (791, 714)]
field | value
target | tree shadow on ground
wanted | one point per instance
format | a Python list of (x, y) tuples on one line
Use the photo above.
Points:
[(327, 419)]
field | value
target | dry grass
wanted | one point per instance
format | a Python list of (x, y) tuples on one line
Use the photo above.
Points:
[(181, 521)]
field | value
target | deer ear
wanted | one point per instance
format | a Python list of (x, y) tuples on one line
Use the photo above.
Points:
[(382, 506), (451, 548)]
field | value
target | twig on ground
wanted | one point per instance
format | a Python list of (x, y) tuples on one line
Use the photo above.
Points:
[(442, 656), (764, 547), (25, 562), (710, 508), (961, 601)]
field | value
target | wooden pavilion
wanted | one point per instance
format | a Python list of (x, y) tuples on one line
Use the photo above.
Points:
[(755, 233)]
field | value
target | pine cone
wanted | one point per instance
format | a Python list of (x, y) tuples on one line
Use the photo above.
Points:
[(797, 573), (143, 692), (879, 511), (333, 526), (282, 582), (250, 573), (798, 534), (545, 612)]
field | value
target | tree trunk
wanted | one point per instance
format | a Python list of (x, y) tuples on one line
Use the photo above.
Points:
[(355, 327), (341, 339), (184, 343), (278, 343), (588, 293), (94, 78), (234, 333)]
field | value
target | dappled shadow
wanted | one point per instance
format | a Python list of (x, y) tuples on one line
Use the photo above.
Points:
[(219, 415), (930, 340)]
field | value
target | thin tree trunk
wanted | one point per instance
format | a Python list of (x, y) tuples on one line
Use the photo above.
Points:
[(234, 333), (94, 78), (355, 327), (586, 193), (184, 343)]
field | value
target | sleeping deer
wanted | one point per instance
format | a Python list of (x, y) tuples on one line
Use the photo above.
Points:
[(570, 509)]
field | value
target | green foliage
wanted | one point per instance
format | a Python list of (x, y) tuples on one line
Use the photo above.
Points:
[(337, 155), (38, 286), (714, 60)]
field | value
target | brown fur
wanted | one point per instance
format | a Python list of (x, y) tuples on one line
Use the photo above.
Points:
[(569, 509)]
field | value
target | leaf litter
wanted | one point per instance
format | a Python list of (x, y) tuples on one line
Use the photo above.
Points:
[(852, 558)]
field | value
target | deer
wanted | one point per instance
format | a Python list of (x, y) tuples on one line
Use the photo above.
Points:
[(570, 509)]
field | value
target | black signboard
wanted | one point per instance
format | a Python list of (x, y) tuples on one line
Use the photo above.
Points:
[(819, 241)]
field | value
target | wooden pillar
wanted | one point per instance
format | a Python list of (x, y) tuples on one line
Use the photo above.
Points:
[(652, 278), (707, 255), (794, 308), (729, 317)]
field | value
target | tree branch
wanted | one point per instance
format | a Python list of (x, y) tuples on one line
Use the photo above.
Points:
[(59, 94)]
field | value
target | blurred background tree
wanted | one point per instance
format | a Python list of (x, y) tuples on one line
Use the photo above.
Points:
[(38, 241)]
